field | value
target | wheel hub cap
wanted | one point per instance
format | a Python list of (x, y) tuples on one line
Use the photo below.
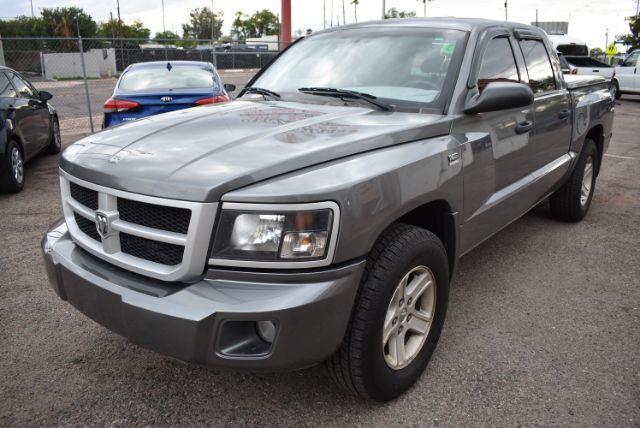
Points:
[(409, 317), (17, 165), (587, 181)]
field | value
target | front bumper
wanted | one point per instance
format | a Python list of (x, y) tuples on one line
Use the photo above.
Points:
[(199, 322)]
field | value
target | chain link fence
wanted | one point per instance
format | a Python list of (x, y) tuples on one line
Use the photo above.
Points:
[(81, 83)]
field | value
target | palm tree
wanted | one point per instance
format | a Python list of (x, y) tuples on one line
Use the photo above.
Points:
[(355, 8)]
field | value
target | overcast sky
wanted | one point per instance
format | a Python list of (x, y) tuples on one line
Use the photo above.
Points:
[(588, 20)]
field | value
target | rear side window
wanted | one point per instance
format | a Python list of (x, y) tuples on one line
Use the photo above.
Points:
[(6, 90), (538, 66), (573, 50), (498, 64), (23, 88), (168, 77)]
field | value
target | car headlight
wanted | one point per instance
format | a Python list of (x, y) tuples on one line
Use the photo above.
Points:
[(275, 235)]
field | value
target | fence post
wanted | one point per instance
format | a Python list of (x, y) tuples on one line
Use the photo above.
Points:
[(86, 83), (2, 63)]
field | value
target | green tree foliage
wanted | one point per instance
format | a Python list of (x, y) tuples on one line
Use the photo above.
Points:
[(166, 35), (262, 23), (57, 22), (199, 25), (110, 29), (395, 13), (633, 39)]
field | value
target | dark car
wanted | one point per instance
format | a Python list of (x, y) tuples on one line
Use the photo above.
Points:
[(150, 88), (28, 126)]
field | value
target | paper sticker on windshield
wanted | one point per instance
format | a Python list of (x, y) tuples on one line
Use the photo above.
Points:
[(447, 49)]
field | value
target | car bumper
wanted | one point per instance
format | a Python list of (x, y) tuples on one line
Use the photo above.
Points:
[(212, 321)]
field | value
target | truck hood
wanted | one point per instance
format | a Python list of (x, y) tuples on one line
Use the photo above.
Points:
[(201, 153)]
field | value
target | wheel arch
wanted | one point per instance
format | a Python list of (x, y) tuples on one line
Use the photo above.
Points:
[(437, 217)]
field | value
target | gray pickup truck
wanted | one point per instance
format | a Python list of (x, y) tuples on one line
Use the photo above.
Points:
[(319, 217)]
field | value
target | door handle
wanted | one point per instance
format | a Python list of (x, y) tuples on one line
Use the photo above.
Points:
[(595, 71), (524, 127), (564, 113)]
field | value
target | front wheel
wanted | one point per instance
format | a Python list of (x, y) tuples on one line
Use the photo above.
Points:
[(55, 142), (398, 315), (571, 202), (616, 90)]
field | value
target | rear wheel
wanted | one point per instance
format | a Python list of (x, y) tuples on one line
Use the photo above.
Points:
[(12, 169), (616, 90), (571, 202), (398, 315), (55, 142)]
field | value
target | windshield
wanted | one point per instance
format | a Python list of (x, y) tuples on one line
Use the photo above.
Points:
[(410, 66), (167, 77)]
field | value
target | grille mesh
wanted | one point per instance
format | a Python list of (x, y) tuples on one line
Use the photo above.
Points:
[(87, 197), (171, 219), (154, 251), (86, 226)]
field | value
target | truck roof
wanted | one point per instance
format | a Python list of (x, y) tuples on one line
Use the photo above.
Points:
[(465, 24)]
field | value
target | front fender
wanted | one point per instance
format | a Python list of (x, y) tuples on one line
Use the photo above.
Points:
[(373, 189)]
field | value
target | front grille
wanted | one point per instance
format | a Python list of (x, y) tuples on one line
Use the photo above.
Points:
[(86, 226), (87, 197), (154, 251), (161, 217)]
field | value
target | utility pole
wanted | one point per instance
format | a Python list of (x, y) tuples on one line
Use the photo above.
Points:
[(536, 17), (424, 6), (120, 35), (506, 16), (344, 14), (164, 28), (384, 9), (32, 14), (213, 17), (84, 75), (324, 13), (331, 13), (606, 39)]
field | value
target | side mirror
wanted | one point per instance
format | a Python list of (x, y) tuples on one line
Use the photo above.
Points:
[(620, 61), (500, 96), (45, 96), (229, 87)]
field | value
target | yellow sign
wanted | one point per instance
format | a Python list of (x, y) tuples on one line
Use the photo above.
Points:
[(612, 49)]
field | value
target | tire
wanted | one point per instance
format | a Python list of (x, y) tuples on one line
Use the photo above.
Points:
[(12, 169), (616, 89), (570, 203), (55, 142), (361, 365)]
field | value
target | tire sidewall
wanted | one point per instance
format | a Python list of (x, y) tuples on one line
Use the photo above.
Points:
[(382, 382), (590, 150), (10, 183), (55, 141)]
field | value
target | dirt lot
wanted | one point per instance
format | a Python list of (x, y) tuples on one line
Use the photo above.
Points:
[(543, 328)]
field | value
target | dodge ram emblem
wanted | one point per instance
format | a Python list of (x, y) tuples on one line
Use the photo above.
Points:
[(166, 99), (102, 224)]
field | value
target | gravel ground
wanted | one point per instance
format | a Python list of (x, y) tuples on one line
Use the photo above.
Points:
[(543, 328)]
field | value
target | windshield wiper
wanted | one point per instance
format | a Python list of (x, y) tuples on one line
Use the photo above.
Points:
[(345, 93), (262, 91)]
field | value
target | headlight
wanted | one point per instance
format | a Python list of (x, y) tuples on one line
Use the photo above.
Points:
[(280, 236)]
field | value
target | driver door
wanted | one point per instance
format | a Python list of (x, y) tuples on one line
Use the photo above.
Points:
[(627, 73)]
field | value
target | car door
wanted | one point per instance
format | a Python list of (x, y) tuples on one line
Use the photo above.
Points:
[(30, 116), (496, 151), (551, 106), (627, 73)]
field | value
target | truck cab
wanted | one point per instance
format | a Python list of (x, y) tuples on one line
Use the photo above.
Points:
[(627, 78)]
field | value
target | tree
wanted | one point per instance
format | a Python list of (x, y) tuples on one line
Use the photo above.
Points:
[(61, 22), (355, 4), (394, 13), (166, 35), (633, 39), (110, 29), (262, 23), (199, 25)]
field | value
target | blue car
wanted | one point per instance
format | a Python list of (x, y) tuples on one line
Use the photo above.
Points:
[(150, 88)]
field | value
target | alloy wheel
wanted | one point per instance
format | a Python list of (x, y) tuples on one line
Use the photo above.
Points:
[(409, 317), (587, 182), (17, 165)]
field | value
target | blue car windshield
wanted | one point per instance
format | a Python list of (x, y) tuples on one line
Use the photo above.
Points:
[(168, 78), (400, 65)]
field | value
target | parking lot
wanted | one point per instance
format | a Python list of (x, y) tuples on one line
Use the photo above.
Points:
[(543, 327)]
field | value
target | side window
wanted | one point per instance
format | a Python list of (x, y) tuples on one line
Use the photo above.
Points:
[(498, 64), (631, 60), (24, 90), (6, 90), (538, 65)]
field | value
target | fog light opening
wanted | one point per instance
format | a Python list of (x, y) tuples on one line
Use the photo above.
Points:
[(266, 330)]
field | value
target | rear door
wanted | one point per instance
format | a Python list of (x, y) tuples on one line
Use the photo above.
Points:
[(552, 104), (31, 116)]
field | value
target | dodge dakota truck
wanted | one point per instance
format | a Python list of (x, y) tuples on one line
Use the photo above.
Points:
[(319, 217)]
